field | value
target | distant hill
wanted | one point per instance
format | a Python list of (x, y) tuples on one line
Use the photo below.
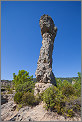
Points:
[(69, 79)]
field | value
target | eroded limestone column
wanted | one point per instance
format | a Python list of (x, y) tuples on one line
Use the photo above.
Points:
[(44, 72)]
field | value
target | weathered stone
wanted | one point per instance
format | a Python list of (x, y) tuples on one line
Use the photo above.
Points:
[(37, 113), (40, 87), (44, 72), (3, 99)]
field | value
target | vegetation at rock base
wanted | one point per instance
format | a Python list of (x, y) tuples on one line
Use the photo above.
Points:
[(24, 87), (29, 99), (65, 98)]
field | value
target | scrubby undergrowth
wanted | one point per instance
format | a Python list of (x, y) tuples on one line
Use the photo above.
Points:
[(65, 99)]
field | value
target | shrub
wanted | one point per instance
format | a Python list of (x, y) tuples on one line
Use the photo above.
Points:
[(25, 87), (67, 89), (23, 82), (73, 103), (21, 78), (77, 87), (50, 97), (62, 101), (29, 99), (59, 83), (18, 97), (70, 113)]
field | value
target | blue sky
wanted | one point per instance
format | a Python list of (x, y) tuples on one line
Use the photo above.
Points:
[(21, 38)]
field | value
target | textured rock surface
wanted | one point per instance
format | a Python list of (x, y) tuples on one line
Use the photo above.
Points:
[(8, 110), (40, 87), (37, 113), (4, 99), (44, 72), (7, 97), (22, 115)]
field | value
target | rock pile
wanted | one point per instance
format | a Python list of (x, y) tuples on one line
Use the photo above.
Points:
[(44, 72)]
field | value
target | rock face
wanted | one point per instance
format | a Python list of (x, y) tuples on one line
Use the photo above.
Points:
[(44, 72), (40, 87)]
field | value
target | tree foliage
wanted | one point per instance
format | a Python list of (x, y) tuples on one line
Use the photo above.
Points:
[(24, 87), (23, 81)]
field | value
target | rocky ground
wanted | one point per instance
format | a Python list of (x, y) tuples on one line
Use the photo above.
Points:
[(9, 112)]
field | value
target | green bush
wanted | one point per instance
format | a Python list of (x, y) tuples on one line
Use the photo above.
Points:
[(77, 87), (63, 99), (25, 87), (59, 83), (29, 99), (21, 78), (50, 97), (73, 103), (18, 97), (23, 82), (70, 113), (67, 89)]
